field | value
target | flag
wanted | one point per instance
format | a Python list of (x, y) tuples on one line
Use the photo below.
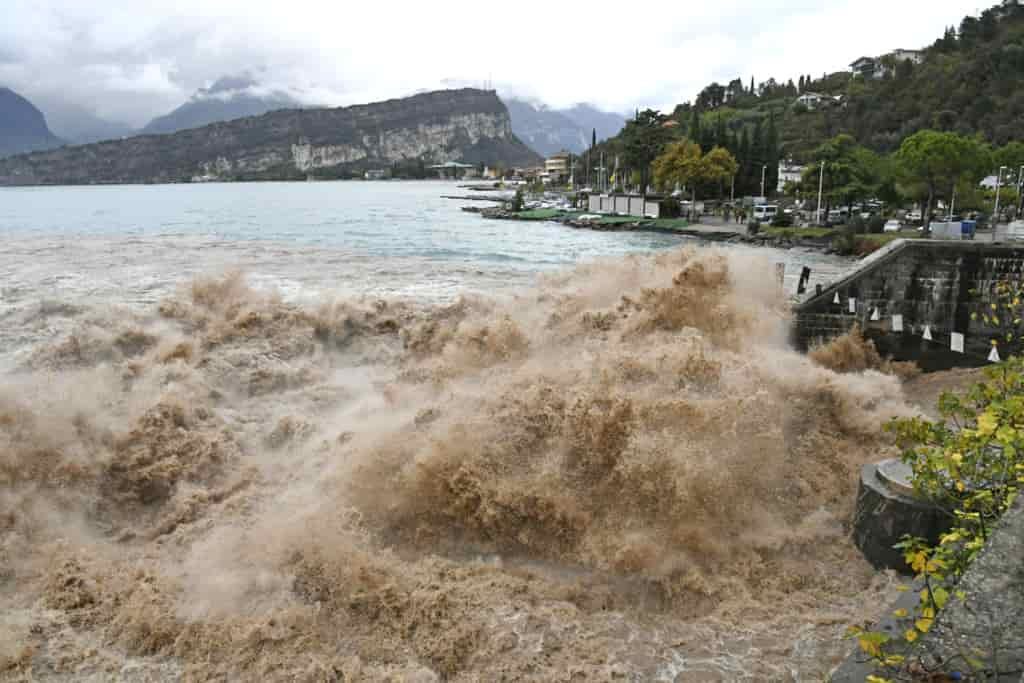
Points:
[(956, 342)]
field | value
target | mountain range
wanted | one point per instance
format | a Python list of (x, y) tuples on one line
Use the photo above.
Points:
[(544, 129), (229, 98), (548, 130), (467, 126), (22, 126)]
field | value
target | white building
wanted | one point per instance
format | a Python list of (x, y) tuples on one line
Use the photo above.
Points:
[(811, 100), (789, 173), (915, 56)]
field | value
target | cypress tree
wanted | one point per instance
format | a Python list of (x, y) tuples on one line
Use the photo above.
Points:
[(743, 157), (720, 131), (756, 157), (694, 131), (771, 156)]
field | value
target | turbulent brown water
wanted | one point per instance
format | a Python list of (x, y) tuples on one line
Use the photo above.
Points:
[(622, 474)]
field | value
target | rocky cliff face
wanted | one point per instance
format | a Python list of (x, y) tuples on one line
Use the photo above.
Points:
[(469, 126)]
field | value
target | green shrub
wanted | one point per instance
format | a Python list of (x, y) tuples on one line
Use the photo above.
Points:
[(753, 227), (517, 201), (670, 208), (782, 220), (969, 464)]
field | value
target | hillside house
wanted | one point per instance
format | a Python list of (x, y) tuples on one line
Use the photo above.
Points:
[(880, 67), (811, 100), (915, 56), (865, 67)]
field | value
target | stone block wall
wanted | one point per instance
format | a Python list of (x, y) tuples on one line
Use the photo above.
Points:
[(929, 282)]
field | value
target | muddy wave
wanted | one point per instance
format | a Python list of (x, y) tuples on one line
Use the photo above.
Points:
[(622, 474)]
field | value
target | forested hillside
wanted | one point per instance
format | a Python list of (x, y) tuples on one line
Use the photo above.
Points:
[(970, 81)]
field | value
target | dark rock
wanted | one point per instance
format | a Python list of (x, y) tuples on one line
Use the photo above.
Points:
[(886, 512)]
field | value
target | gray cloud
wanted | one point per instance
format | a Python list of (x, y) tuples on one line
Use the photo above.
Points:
[(132, 60)]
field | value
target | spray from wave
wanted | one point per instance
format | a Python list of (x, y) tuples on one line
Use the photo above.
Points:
[(622, 474)]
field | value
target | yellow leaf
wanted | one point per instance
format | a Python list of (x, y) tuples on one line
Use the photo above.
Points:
[(923, 625), (987, 423), (869, 647), (958, 458), (910, 635), (949, 538), (901, 613), (960, 486), (919, 561), (902, 589)]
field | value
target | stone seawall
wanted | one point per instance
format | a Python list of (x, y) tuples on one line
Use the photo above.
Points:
[(930, 283)]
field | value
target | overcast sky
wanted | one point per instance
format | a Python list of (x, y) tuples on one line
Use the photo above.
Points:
[(133, 59)]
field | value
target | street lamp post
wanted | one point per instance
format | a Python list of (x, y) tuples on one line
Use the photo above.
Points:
[(821, 187), (732, 190), (764, 170), (1020, 191), (999, 182)]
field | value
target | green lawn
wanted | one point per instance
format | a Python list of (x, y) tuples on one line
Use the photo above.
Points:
[(540, 214), (670, 223)]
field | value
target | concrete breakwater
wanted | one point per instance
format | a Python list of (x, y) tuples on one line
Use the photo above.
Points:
[(915, 300)]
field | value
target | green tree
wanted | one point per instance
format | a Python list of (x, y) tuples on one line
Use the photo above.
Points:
[(684, 165), (718, 166), (939, 160), (851, 172), (644, 140), (680, 165)]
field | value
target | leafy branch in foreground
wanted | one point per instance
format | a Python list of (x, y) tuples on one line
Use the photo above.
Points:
[(970, 465)]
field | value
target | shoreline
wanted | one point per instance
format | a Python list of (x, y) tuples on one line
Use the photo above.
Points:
[(786, 239)]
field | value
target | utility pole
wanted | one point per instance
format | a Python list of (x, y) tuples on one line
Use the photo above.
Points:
[(732, 190), (999, 181), (821, 187), (764, 170)]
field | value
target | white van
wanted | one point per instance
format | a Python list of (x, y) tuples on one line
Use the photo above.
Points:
[(764, 213)]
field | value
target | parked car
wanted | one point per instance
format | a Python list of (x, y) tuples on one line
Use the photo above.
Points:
[(913, 215), (892, 225)]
